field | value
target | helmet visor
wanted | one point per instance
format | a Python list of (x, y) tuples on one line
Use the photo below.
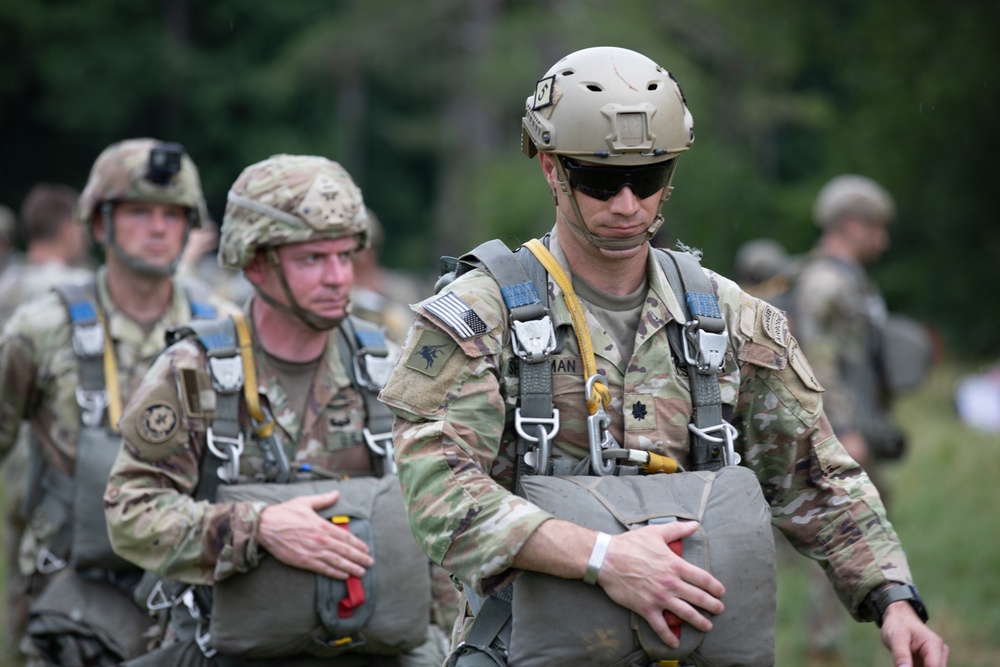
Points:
[(603, 182)]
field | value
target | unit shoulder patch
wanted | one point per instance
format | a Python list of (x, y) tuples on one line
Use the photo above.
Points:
[(430, 353), (157, 422)]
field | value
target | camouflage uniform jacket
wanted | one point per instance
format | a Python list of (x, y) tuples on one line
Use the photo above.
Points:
[(154, 520), (836, 314), (454, 399), (26, 282), (39, 374)]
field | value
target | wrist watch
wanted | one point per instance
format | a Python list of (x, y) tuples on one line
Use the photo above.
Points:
[(880, 598)]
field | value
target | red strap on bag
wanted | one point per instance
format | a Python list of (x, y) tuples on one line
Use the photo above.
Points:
[(673, 621), (355, 589)]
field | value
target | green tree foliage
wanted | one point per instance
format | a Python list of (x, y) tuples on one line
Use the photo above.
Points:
[(422, 100)]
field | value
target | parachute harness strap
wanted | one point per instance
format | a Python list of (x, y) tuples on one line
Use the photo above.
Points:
[(600, 396)]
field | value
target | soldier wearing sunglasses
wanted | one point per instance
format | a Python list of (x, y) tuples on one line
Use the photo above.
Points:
[(608, 126)]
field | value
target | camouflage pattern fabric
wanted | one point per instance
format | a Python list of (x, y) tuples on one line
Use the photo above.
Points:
[(836, 311), (289, 199), (454, 391), (149, 502), (23, 283), (119, 174), (39, 375)]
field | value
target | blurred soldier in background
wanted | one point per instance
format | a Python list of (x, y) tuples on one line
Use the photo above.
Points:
[(68, 362), (247, 428), (55, 242), (8, 237), (762, 268), (861, 354), (380, 295)]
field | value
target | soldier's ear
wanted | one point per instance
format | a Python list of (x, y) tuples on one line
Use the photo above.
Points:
[(256, 269)]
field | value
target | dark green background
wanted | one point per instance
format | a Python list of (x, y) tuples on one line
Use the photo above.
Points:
[(422, 100)]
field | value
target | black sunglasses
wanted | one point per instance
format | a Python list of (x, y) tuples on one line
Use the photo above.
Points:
[(601, 182)]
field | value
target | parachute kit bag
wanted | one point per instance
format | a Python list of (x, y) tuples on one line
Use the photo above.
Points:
[(734, 543), (386, 612), (79, 621)]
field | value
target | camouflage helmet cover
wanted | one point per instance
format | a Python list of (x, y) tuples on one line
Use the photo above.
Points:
[(607, 102), (290, 199), (851, 194), (119, 174)]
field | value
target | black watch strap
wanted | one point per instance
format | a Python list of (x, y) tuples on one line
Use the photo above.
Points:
[(880, 599)]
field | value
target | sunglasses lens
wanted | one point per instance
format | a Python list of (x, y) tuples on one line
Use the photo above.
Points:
[(604, 183)]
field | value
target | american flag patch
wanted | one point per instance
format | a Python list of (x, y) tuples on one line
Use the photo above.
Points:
[(458, 315)]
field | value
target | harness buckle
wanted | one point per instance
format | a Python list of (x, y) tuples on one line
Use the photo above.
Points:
[(372, 371), (533, 340), (202, 637), (88, 339), (92, 403), (158, 599), (227, 373), (384, 450), (729, 435), (230, 472), (48, 563), (598, 435), (711, 352)]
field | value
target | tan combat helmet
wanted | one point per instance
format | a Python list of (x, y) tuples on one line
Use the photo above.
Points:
[(290, 199), (851, 194), (146, 170), (613, 107), (758, 260)]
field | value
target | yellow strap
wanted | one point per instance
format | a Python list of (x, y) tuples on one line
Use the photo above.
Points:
[(110, 375), (579, 322), (265, 427)]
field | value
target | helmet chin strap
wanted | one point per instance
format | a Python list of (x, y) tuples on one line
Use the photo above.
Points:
[(580, 227), (310, 319), (138, 265)]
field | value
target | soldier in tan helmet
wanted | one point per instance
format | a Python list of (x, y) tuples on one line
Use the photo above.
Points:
[(568, 415), (69, 361), (256, 473)]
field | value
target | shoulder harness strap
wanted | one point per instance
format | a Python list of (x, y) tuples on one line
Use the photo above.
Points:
[(90, 339), (700, 343), (524, 287), (365, 352)]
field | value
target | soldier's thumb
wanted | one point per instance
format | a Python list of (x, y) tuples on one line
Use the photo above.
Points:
[(676, 530)]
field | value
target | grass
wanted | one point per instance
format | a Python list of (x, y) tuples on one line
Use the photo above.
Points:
[(946, 502)]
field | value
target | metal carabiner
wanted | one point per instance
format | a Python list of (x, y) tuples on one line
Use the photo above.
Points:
[(385, 451), (229, 473), (729, 435), (538, 457), (47, 562), (598, 435)]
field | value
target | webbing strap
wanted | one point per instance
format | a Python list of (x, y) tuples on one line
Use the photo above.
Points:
[(523, 285), (697, 300), (579, 323), (95, 355), (357, 338)]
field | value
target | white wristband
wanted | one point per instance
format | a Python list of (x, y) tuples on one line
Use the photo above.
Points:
[(597, 558)]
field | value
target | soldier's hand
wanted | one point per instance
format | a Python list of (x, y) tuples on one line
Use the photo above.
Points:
[(640, 572), (856, 446), (296, 535), (912, 643)]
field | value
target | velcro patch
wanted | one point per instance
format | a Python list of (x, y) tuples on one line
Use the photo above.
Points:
[(457, 315), (775, 325), (430, 353), (798, 361), (156, 422)]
